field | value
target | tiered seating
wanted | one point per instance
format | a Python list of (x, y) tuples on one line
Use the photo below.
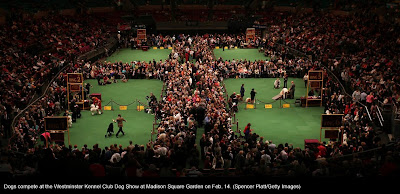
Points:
[(37, 5), (99, 3), (196, 13), (291, 3)]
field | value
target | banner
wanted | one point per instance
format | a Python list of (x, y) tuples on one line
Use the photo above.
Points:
[(75, 78), (141, 34), (259, 26), (316, 84), (75, 88), (331, 120), (55, 123), (314, 75), (249, 106)]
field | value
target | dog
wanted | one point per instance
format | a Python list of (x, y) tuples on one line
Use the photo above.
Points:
[(110, 129), (239, 97), (235, 107), (344, 138), (248, 100), (69, 121), (95, 109)]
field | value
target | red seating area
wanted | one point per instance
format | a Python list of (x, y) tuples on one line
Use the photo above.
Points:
[(191, 13)]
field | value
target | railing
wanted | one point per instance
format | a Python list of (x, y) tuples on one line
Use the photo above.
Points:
[(369, 116), (230, 110), (155, 123), (394, 119), (226, 97), (34, 97), (330, 73), (344, 91), (89, 55), (294, 51), (380, 117), (94, 54), (365, 153), (30, 105)]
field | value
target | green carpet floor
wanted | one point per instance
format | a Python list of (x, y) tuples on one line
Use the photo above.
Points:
[(91, 129), (128, 55), (281, 125), (237, 54)]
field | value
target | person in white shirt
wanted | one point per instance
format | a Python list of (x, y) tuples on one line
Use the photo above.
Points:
[(305, 78), (284, 92), (160, 150), (277, 83), (284, 155), (177, 116), (356, 95), (266, 157), (271, 146), (363, 97)]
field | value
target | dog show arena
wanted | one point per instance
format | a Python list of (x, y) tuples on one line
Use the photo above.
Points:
[(281, 125)]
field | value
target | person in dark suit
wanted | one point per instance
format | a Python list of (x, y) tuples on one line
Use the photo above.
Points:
[(285, 79), (292, 89), (311, 92), (200, 113), (87, 91), (253, 95), (242, 90), (203, 142), (73, 103), (74, 110)]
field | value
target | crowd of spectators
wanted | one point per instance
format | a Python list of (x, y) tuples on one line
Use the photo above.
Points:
[(193, 13), (34, 50), (200, 101), (363, 56), (194, 97)]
